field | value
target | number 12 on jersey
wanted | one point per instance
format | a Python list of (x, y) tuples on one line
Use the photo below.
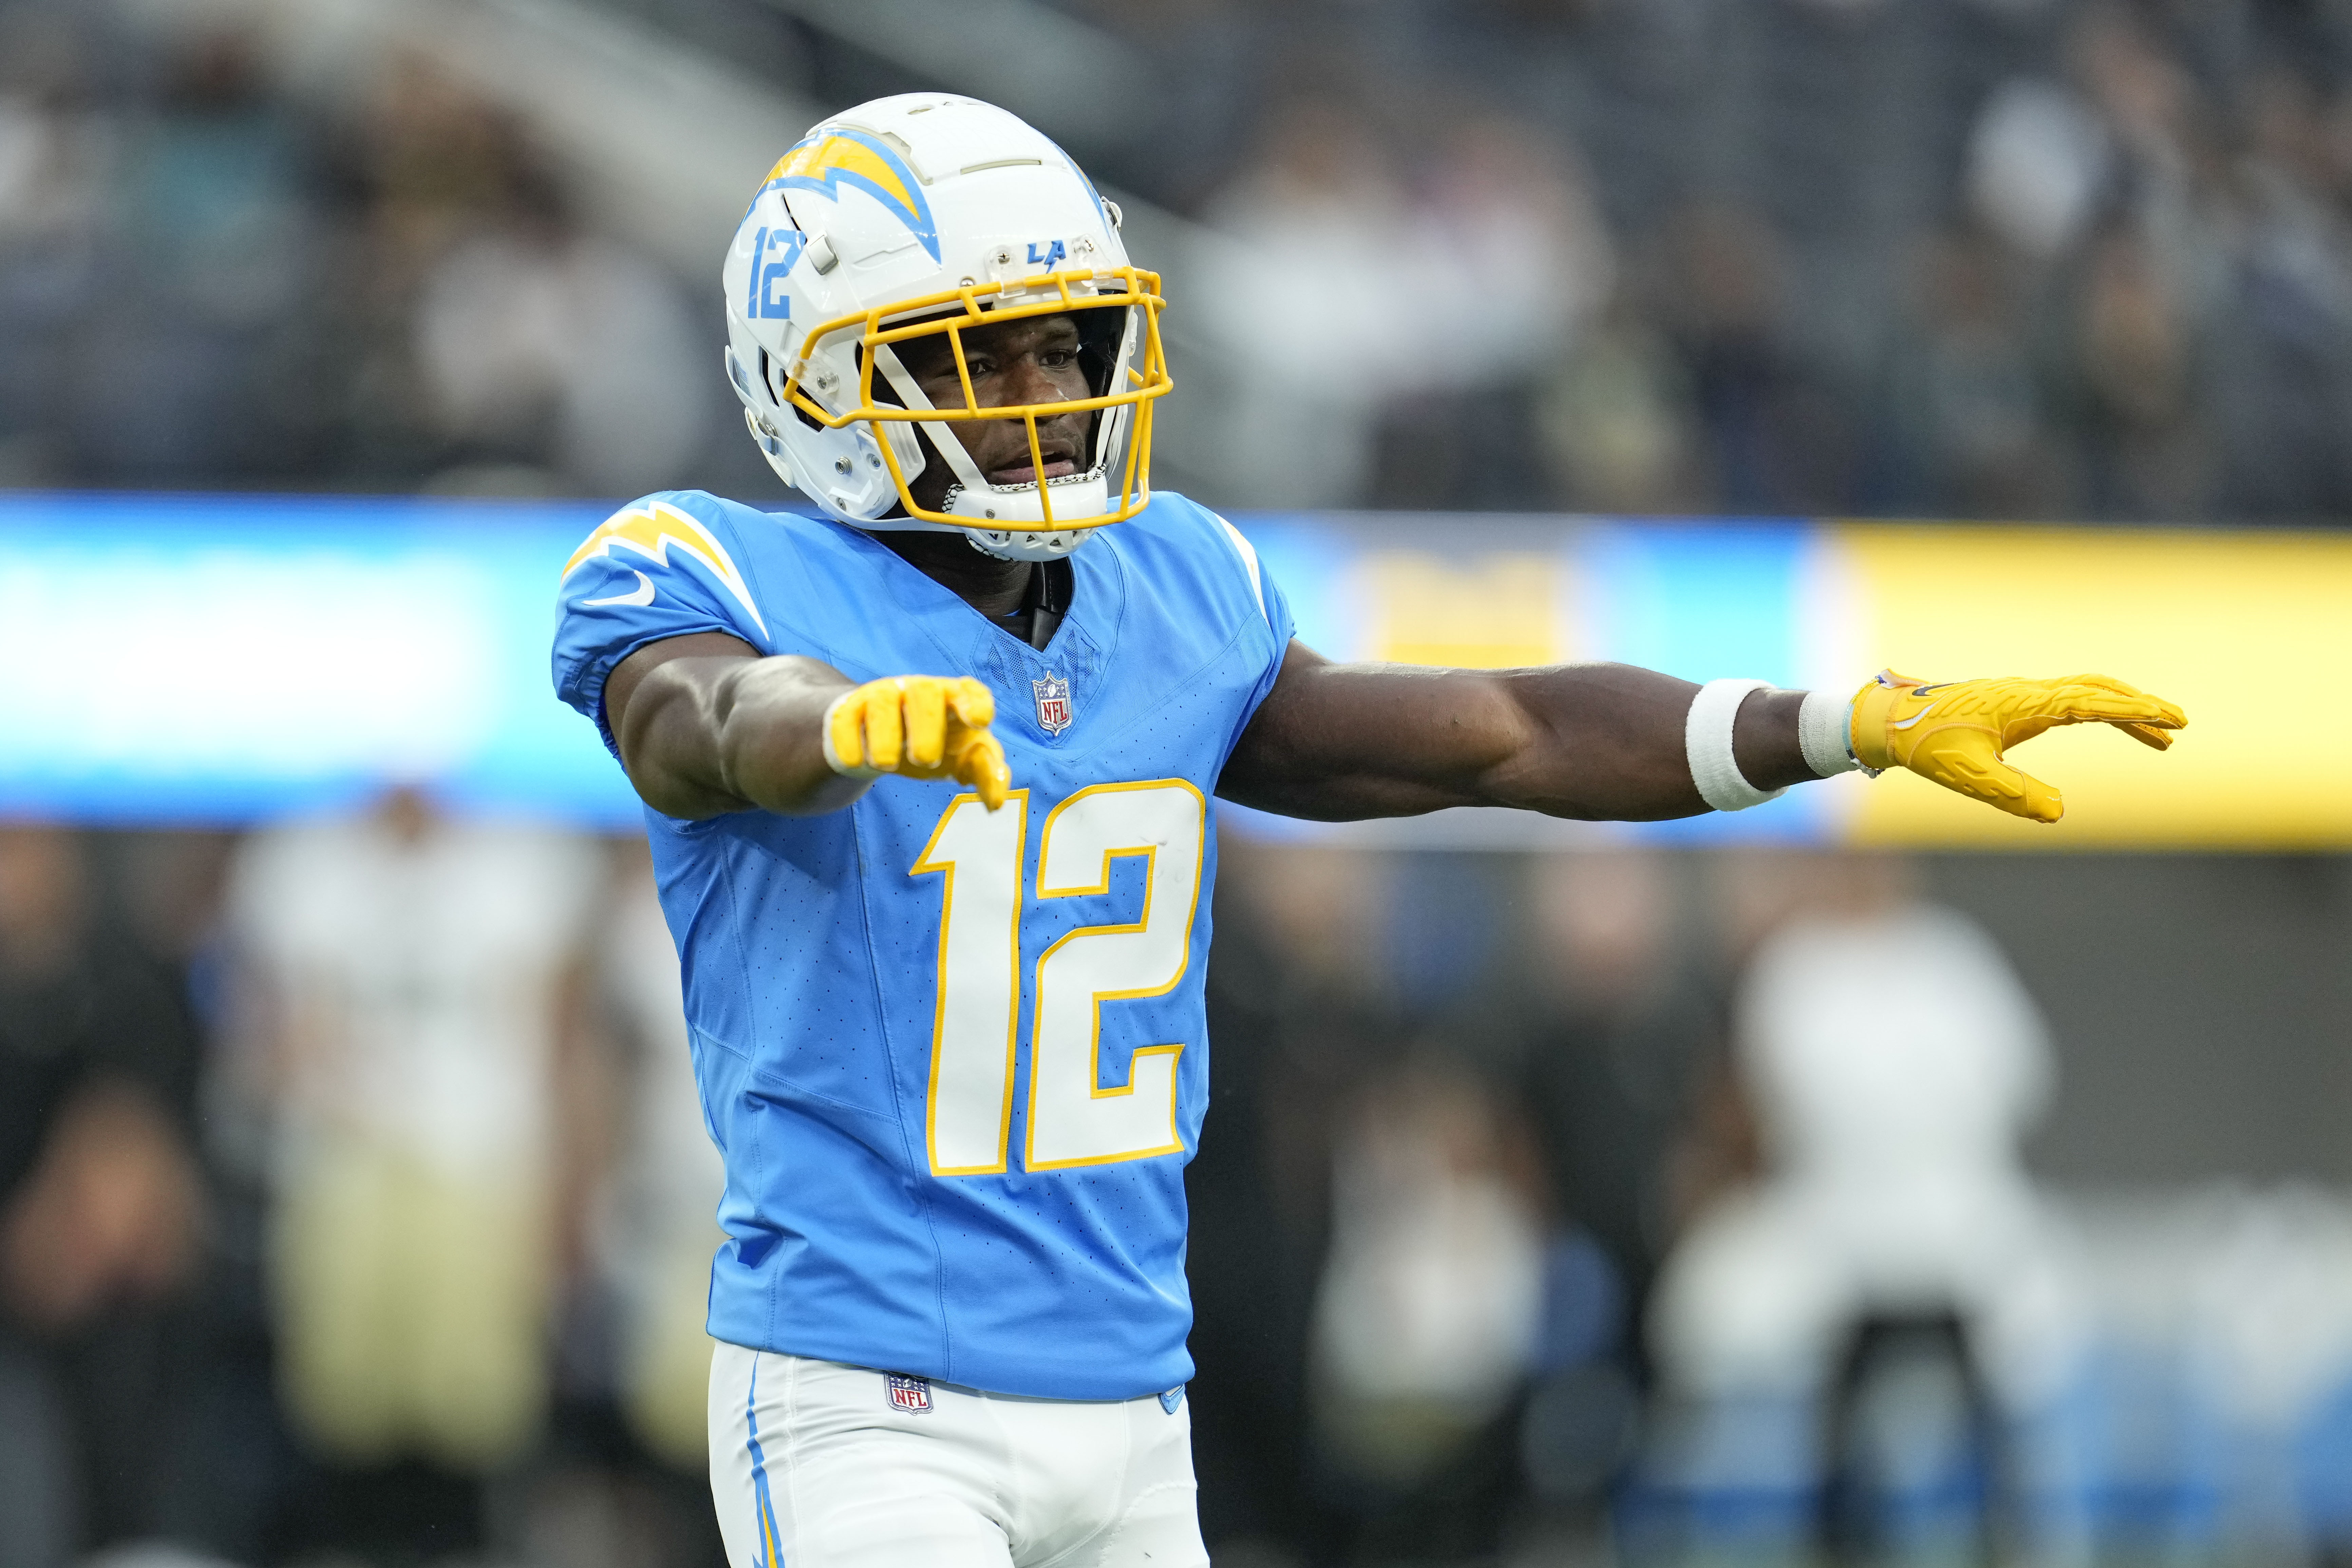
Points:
[(1072, 1119)]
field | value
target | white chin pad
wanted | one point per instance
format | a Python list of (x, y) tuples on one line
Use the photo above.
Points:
[(1079, 496), (1008, 545)]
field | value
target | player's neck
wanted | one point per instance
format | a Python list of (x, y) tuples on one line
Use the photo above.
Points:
[(994, 587)]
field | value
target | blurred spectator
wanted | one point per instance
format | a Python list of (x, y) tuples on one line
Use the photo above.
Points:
[(1429, 1314), (1617, 424), (1301, 1010), (1505, 261), (1894, 1062), (56, 162), (1306, 302), (101, 1214), (1328, 1004), (429, 165), (2142, 92), (658, 1228), (417, 977), (535, 340), (1967, 402), (1624, 1029), (620, 1475), (434, 161), (1383, 315), (503, 346), (1891, 1128), (1430, 1300), (210, 279), (2038, 160), (2126, 231), (2282, 379), (2146, 453), (213, 239), (1777, 437)]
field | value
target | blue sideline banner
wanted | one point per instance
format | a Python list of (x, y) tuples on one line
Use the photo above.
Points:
[(222, 659)]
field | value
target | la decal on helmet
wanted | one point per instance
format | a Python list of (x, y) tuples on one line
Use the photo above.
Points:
[(921, 217)]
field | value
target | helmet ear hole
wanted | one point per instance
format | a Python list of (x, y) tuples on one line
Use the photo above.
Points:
[(774, 382)]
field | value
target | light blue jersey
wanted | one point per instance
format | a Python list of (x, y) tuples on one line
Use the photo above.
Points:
[(956, 1059)]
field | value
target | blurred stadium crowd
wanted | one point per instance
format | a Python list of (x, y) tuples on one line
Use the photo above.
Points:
[(2013, 258), (352, 1199), (353, 1168), (355, 1206)]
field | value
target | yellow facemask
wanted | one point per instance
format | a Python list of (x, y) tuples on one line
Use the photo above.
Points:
[(1139, 358)]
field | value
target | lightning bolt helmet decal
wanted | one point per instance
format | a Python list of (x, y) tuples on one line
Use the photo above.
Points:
[(833, 156)]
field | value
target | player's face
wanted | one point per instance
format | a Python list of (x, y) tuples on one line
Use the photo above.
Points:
[(1030, 361)]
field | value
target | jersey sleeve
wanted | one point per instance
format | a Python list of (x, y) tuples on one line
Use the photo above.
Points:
[(661, 567), (1274, 611)]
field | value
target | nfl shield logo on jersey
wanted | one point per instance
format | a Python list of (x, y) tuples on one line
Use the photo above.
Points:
[(912, 1394), (1053, 704)]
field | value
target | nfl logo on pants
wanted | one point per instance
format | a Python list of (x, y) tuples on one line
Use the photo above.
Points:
[(912, 1394), (1053, 704)]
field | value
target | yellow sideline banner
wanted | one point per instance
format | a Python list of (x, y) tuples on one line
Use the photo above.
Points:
[(2251, 633)]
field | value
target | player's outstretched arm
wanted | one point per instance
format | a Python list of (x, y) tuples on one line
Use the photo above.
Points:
[(1600, 742), (707, 726), (1609, 741)]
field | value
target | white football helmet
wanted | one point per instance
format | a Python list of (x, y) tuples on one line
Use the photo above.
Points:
[(921, 216)]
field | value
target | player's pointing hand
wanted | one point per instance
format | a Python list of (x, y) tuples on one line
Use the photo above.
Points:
[(1955, 732), (920, 726)]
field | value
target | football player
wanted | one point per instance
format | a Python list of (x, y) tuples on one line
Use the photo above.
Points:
[(929, 783)]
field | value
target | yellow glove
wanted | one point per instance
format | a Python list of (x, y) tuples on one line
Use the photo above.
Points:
[(1955, 732), (920, 726)]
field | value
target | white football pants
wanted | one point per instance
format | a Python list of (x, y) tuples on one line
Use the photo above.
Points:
[(818, 1465)]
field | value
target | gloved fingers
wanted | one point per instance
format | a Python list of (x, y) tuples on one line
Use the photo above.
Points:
[(2149, 735), (972, 704), (924, 727), (2075, 705), (847, 732), (1973, 767), (2018, 793), (980, 763), (2105, 697), (2080, 705), (923, 711), (885, 732), (2033, 799)]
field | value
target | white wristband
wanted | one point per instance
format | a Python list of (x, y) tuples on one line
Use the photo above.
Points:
[(1825, 731), (834, 759), (1706, 738)]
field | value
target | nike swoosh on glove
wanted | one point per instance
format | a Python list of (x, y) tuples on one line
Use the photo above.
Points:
[(919, 727), (1956, 732)]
